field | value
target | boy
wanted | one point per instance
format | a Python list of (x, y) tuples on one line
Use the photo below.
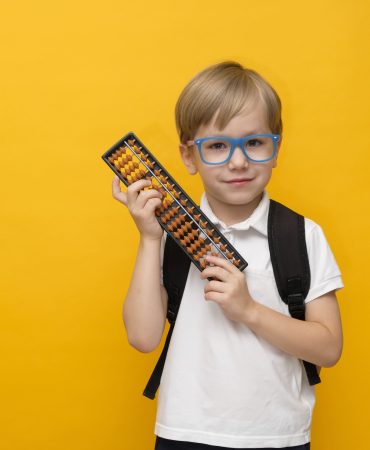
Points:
[(233, 377)]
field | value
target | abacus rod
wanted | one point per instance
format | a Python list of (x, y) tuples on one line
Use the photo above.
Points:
[(155, 176)]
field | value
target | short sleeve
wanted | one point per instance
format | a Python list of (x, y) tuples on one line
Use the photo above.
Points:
[(163, 242), (325, 273)]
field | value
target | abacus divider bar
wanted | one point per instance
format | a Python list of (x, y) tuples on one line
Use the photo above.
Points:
[(182, 207)]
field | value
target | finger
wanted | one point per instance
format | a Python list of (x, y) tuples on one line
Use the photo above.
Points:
[(145, 196), (116, 191), (215, 286), (214, 296), (152, 204), (134, 189), (221, 262), (215, 272)]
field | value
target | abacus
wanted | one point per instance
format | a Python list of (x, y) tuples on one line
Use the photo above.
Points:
[(178, 215)]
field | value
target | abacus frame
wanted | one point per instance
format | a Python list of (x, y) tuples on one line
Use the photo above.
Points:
[(195, 234)]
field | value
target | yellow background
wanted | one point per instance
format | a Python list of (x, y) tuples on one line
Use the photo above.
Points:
[(75, 77)]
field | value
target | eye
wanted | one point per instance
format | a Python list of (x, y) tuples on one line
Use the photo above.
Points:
[(252, 143), (215, 145)]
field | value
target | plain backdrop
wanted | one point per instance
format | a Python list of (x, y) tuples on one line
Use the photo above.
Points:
[(78, 75)]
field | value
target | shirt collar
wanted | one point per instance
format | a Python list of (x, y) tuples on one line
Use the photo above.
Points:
[(257, 220)]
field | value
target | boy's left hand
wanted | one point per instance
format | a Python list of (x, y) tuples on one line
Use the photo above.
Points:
[(228, 289)]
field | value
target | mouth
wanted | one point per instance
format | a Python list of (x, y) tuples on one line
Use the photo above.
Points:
[(239, 181)]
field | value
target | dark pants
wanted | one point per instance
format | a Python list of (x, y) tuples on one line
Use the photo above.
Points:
[(167, 444)]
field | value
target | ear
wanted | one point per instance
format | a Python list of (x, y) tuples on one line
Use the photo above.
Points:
[(187, 155), (277, 152)]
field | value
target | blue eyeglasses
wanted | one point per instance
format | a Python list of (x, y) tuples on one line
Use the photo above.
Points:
[(219, 149)]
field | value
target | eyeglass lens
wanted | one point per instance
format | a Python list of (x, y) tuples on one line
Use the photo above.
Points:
[(218, 150)]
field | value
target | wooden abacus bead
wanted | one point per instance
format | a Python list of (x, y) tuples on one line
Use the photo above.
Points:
[(190, 209), (143, 173), (229, 254), (236, 262), (189, 250), (163, 219), (182, 217), (170, 187), (163, 179), (150, 164), (187, 239), (217, 239), (214, 254), (197, 217), (223, 247), (197, 257), (207, 247), (210, 232), (183, 201), (177, 221), (111, 159), (173, 211), (203, 224), (193, 246), (131, 142), (163, 192), (171, 226), (144, 156), (202, 251), (203, 263), (176, 194), (184, 228), (157, 172), (176, 234)]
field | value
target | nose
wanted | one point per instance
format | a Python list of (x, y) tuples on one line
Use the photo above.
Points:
[(238, 160)]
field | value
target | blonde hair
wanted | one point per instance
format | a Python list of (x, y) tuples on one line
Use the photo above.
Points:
[(224, 89)]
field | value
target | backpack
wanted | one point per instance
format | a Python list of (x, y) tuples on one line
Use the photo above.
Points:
[(289, 258)]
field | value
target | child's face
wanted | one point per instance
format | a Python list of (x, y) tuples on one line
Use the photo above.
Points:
[(238, 184)]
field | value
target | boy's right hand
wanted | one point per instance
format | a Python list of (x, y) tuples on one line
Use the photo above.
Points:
[(141, 205)]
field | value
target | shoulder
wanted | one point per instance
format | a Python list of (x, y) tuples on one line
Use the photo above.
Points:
[(312, 227)]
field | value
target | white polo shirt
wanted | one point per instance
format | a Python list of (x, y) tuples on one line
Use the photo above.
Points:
[(224, 385)]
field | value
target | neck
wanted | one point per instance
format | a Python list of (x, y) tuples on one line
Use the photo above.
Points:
[(232, 214)]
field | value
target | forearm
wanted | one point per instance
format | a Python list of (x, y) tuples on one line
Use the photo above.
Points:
[(307, 340), (144, 311)]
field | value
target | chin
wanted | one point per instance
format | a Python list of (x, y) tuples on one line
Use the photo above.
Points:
[(240, 199)]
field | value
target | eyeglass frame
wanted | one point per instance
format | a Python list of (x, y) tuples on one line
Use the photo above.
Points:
[(236, 142)]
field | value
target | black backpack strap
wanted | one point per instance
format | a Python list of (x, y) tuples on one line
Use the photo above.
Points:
[(289, 258), (176, 265)]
